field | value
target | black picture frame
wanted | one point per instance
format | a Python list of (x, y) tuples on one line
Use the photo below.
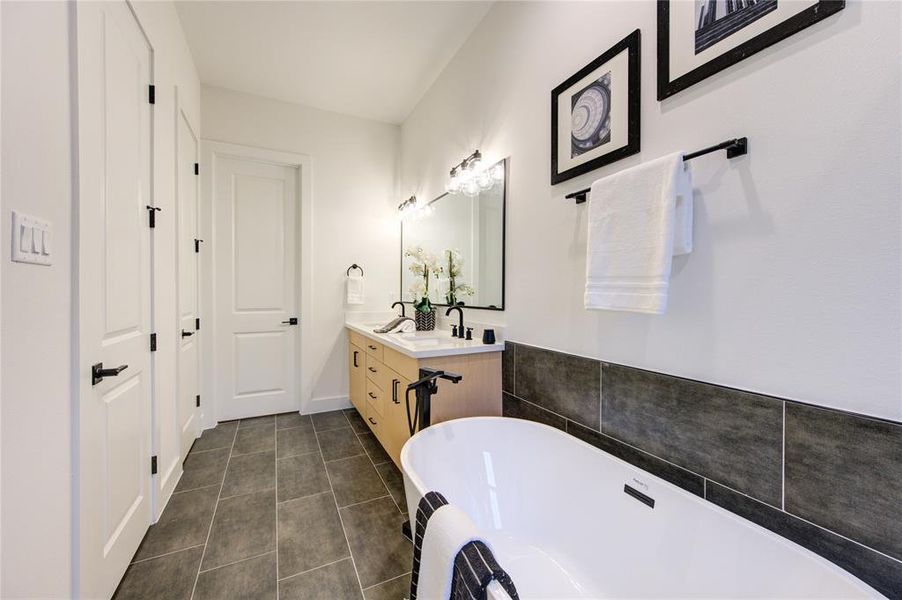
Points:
[(792, 25), (631, 44)]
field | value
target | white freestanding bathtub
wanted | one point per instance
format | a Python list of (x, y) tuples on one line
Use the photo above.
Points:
[(554, 510)]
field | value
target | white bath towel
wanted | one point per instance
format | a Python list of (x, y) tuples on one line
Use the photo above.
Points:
[(405, 327), (449, 530), (639, 219), (355, 289)]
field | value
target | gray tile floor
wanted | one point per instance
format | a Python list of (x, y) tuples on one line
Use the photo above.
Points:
[(282, 506)]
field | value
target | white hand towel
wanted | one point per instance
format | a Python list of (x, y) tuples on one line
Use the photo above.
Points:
[(355, 289), (406, 327), (449, 529), (639, 219)]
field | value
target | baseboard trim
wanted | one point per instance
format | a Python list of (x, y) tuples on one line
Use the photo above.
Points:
[(325, 404)]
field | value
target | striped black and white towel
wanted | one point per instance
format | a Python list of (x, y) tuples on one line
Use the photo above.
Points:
[(474, 567)]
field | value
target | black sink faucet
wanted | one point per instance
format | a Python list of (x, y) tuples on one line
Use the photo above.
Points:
[(460, 326), (402, 307)]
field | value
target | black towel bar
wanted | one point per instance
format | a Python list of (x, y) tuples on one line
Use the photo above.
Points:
[(735, 147)]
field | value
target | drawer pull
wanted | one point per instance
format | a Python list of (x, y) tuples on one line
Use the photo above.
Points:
[(371, 395), (372, 421), (371, 347), (355, 359), (372, 370), (394, 391)]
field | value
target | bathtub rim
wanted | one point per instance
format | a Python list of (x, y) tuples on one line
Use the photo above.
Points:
[(409, 475)]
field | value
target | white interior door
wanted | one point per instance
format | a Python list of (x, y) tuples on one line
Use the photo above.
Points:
[(189, 346), (255, 215), (114, 414)]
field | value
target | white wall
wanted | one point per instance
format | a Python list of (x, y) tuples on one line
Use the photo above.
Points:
[(36, 340), (355, 203), (36, 347), (794, 285)]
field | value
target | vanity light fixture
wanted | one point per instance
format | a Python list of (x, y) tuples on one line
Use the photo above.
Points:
[(469, 176), (411, 209)]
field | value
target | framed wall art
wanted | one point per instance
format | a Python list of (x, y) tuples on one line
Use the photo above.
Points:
[(698, 38), (595, 112)]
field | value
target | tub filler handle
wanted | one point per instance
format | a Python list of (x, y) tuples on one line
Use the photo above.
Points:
[(425, 387)]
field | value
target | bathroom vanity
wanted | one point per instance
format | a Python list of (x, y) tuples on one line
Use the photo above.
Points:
[(383, 365)]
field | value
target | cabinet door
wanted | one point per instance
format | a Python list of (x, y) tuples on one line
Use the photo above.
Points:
[(396, 431), (357, 383)]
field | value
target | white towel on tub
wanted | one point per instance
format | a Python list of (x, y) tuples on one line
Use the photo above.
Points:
[(449, 530), (639, 219)]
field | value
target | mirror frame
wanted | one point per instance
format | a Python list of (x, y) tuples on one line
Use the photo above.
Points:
[(506, 163)]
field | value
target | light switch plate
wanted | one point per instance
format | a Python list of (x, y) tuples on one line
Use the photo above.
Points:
[(31, 239)]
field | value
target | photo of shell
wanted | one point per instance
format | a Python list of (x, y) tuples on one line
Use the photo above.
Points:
[(590, 116)]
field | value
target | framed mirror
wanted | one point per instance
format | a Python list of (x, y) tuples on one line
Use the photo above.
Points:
[(463, 233)]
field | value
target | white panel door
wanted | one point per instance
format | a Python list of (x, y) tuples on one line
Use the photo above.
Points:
[(189, 346), (255, 212), (114, 414)]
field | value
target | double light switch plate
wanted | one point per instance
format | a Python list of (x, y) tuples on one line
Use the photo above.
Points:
[(32, 239)]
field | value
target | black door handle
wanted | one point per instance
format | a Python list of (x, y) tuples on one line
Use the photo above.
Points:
[(372, 421), (371, 369), (291, 321), (394, 391), (98, 372), (371, 395), (355, 359), (187, 333)]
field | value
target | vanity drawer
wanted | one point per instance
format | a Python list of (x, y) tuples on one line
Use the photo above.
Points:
[(373, 348), (401, 364), (377, 372), (374, 420), (375, 397)]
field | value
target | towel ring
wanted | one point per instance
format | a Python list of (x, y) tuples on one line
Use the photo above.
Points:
[(354, 266)]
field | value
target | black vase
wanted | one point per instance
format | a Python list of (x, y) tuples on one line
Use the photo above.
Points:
[(425, 321)]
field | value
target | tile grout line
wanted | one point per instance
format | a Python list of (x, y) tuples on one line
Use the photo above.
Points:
[(328, 564), (213, 517), (804, 520), (338, 510), (383, 496), (235, 562), (783, 464), (275, 466), (382, 479), (134, 562), (387, 580)]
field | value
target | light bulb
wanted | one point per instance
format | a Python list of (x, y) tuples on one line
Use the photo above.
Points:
[(471, 187), (498, 173), (484, 180)]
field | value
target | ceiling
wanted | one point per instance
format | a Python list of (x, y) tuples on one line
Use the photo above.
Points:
[(368, 59)]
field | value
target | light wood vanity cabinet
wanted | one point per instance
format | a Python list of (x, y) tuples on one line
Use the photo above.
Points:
[(379, 376)]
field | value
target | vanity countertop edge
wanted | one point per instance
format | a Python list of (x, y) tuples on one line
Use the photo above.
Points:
[(447, 347)]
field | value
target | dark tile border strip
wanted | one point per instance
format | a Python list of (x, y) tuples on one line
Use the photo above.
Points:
[(881, 572), (843, 411)]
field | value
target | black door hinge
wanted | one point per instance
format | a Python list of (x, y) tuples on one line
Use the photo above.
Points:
[(197, 324), (152, 94), (197, 243), (196, 168), (153, 342), (153, 465), (198, 399), (152, 210)]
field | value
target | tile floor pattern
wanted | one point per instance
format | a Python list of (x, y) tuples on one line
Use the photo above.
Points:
[(283, 506)]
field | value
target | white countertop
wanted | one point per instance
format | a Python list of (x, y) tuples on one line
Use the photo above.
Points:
[(424, 344)]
